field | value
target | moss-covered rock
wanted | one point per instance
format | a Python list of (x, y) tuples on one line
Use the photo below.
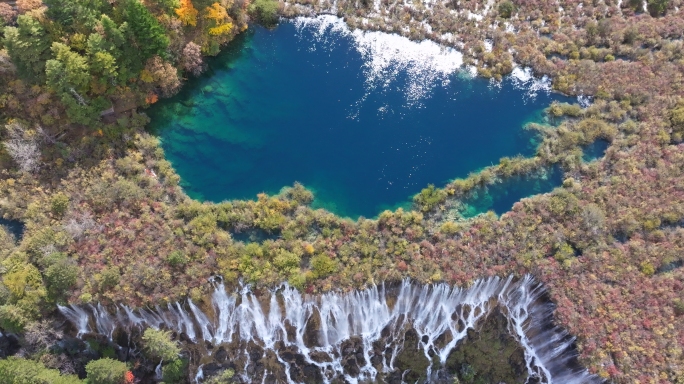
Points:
[(489, 355)]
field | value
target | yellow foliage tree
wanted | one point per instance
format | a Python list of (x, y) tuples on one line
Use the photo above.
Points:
[(223, 29), (222, 22), (217, 13), (187, 13)]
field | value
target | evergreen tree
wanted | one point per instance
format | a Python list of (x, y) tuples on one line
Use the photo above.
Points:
[(126, 56), (68, 71), (27, 45), (76, 15), (26, 291), (59, 277), (149, 37), (68, 74)]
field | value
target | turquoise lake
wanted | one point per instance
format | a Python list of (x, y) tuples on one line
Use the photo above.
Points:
[(364, 120)]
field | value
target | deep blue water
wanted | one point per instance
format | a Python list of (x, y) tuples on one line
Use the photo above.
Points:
[(15, 227), (291, 104)]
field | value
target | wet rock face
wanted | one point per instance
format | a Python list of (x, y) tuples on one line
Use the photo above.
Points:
[(489, 354), (9, 345)]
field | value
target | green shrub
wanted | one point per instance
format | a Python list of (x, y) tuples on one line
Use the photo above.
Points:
[(106, 371), (42, 238), (300, 194), (4, 293), (506, 9), (595, 128), (158, 344), (176, 259), (221, 378), (429, 198), (651, 224), (297, 280), (647, 268), (564, 252), (678, 305), (265, 11), (677, 116), (555, 109), (322, 266), (15, 370), (450, 228), (104, 350), (677, 122), (636, 5), (657, 7), (59, 277), (110, 277), (286, 261), (270, 221), (467, 373), (573, 110), (174, 371), (59, 203), (12, 318)]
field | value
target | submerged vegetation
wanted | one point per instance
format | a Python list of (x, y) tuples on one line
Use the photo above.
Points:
[(106, 221)]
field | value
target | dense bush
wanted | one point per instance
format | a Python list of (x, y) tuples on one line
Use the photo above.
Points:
[(506, 9), (159, 345), (265, 11), (106, 371), (429, 198), (15, 370), (174, 371)]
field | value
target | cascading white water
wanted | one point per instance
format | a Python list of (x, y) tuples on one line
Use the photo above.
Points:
[(158, 371), (439, 314)]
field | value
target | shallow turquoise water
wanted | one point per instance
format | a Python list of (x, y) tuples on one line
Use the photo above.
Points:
[(299, 104), (500, 197)]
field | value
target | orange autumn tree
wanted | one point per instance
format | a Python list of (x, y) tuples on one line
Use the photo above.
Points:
[(187, 13), (218, 16)]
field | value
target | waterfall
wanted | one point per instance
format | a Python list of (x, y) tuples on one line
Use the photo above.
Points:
[(319, 329), (199, 375), (78, 316), (158, 374)]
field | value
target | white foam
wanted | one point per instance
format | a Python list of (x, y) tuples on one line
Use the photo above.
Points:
[(584, 101), (474, 16), (523, 78), (488, 45)]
